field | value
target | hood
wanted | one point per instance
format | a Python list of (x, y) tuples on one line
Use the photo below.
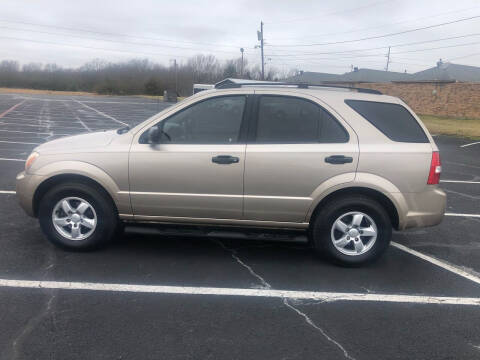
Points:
[(75, 143)]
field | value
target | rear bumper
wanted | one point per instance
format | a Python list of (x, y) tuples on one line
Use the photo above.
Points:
[(424, 209), (26, 186)]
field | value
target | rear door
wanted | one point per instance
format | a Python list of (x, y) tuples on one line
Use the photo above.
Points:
[(295, 145)]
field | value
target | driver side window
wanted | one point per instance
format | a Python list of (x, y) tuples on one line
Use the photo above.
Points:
[(213, 121)]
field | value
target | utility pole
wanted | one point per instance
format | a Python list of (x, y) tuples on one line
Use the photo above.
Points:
[(241, 67), (260, 38), (388, 59)]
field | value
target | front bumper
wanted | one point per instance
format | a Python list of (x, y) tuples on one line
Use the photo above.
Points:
[(26, 186)]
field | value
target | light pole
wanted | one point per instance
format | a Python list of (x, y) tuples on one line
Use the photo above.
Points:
[(241, 66), (260, 38)]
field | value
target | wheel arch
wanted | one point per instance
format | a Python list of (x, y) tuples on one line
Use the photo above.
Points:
[(47, 184), (375, 194)]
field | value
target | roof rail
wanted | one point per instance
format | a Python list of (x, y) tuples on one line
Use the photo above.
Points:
[(298, 85)]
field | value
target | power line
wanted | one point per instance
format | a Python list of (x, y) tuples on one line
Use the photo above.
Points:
[(378, 48), (356, 30), (116, 34), (381, 36), (328, 13), (436, 48), (392, 54), (112, 41), (464, 56), (90, 47)]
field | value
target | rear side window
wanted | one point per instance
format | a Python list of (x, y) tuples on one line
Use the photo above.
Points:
[(393, 120), (283, 119)]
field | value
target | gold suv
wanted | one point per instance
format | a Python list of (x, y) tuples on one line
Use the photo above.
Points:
[(342, 165)]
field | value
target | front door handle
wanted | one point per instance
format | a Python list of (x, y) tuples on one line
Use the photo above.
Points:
[(338, 159), (225, 159)]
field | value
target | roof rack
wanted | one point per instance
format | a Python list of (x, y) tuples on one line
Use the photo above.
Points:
[(298, 85)]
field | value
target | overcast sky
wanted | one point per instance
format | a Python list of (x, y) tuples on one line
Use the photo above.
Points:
[(70, 33)]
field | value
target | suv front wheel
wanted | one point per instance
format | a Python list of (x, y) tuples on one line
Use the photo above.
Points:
[(77, 216), (352, 230)]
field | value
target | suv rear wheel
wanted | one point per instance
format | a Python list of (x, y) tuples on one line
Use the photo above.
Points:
[(77, 216), (352, 230)]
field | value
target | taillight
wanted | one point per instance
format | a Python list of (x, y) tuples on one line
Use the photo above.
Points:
[(435, 169)]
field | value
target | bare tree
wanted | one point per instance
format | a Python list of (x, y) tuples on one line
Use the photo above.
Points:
[(137, 76)]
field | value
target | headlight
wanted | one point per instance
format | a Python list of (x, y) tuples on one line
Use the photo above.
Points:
[(31, 159)]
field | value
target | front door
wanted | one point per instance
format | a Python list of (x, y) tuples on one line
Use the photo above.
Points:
[(196, 168)]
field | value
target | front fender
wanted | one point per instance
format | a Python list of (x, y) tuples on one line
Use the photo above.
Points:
[(50, 170)]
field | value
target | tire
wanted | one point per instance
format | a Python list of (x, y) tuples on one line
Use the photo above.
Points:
[(97, 224), (357, 244)]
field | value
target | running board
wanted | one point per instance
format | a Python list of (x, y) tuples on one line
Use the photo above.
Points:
[(197, 231)]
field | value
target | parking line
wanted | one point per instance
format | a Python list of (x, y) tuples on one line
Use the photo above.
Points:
[(463, 215), (6, 159), (265, 293), (33, 132), (7, 192), (460, 181), (11, 109), (18, 142), (452, 268), (101, 113), (474, 143)]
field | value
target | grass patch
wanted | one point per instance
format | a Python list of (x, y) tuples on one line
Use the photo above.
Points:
[(468, 128)]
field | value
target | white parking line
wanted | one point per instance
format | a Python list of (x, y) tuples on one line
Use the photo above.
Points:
[(6, 159), (41, 126), (452, 268), (266, 293), (101, 113), (11, 109), (33, 132), (463, 215), (7, 192), (474, 143), (18, 142), (460, 181)]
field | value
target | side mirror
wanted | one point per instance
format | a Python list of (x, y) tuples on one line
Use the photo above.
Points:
[(154, 135)]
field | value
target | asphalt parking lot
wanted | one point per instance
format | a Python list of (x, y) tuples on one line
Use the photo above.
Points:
[(149, 297)]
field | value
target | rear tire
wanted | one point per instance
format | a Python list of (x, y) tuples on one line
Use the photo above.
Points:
[(352, 230), (77, 216)]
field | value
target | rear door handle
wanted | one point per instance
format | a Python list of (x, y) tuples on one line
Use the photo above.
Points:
[(338, 159), (225, 159)]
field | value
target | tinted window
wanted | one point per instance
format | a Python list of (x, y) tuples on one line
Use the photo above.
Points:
[(396, 122), (213, 121), (284, 119)]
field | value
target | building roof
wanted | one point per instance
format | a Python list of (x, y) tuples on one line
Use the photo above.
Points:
[(441, 72), (230, 81), (449, 72), (369, 75), (358, 75), (314, 77)]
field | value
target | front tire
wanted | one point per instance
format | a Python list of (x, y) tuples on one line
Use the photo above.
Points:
[(77, 216), (352, 230)]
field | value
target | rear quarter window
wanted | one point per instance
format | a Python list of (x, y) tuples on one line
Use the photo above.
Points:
[(393, 120)]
